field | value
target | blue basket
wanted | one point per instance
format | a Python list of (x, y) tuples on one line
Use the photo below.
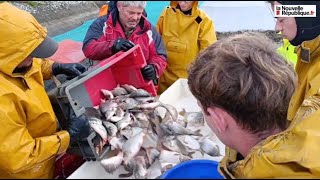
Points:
[(194, 169)]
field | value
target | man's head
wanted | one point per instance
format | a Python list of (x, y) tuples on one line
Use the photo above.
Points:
[(130, 13), (46, 49), (242, 83), (22, 37), (298, 29)]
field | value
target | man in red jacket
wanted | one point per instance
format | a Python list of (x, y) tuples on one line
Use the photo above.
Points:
[(120, 30)]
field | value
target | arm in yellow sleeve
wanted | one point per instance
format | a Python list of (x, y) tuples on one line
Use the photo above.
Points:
[(207, 34)]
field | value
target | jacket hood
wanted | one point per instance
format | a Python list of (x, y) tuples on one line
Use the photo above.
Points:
[(194, 7), (20, 34), (307, 28)]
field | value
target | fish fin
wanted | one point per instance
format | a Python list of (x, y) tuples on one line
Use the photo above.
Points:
[(202, 153), (183, 112), (190, 154), (197, 132), (125, 175)]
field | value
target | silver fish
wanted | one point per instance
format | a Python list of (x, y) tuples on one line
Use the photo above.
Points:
[(151, 106), (150, 140), (209, 147), (139, 93), (125, 121), (112, 163), (92, 112), (129, 103), (119, 112), (139, 124), (176, 157), (129, 132), (145, 99), (155, 119), (120, 99), (171, 158), (140, 171), (108, 114), (154, 171), (98, 143), (116, 142), (194, 119), (130, 166), (174, 128), (131, 147), (118, 115), (141, 120), (115, 118), (181, 120), (132, 103), (111, 128), (96, 125), (189, 142), (141, 116), (128, 88), (172, 110), (118, 91), (167, 117), (107, 94), (107, 106), (152, 155), (171, 143)]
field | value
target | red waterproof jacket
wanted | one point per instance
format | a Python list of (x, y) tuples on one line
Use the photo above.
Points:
[(106, 29)]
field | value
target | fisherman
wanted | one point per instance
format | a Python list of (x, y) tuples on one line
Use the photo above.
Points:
[(29, 138), (124, 27), (186, 31), (304, 34)]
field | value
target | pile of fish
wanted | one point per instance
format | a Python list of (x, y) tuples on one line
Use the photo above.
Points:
[(142, 140)]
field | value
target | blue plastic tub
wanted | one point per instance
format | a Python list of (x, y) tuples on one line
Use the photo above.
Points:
[(194, 169)]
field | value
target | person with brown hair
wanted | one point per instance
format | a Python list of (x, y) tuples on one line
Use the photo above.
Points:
[(243, 87)]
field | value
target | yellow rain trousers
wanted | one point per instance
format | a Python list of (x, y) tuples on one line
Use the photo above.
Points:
[(184, 37), (29, 138), (293, 153)]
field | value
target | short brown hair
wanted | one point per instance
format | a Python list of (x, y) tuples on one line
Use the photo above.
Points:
[(244, 75)]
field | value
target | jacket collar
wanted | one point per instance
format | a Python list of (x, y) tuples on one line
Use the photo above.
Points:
[(113, 20), (309, 50)]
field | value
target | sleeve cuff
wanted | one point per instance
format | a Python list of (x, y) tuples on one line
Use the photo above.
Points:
[(64, 141)]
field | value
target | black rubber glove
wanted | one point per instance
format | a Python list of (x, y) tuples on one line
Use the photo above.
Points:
[(122, 44), (70, 69), (149, 72), (79, 128)]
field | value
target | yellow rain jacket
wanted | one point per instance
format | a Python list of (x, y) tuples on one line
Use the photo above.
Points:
[(29, 138), (293, 153), (184, 37), (308, 70)]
